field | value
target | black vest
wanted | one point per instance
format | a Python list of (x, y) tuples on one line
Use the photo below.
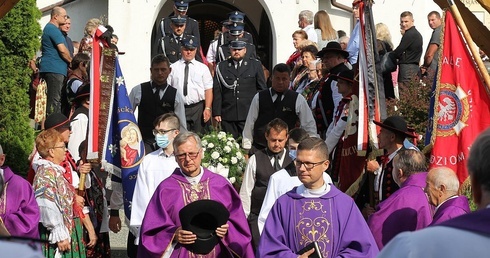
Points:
[(263, 172), (151, 107), (286, 111)]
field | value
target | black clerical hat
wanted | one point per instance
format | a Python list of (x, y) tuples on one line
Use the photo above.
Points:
[(202, 218)]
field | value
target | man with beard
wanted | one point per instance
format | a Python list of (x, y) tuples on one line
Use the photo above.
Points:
[(236, 82)]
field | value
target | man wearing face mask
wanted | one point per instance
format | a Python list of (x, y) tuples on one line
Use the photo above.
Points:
[(156, 167)]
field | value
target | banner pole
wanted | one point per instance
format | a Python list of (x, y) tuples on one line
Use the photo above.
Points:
[(471, 44)]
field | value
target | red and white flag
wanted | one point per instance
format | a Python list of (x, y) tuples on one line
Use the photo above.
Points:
[(462, 105)]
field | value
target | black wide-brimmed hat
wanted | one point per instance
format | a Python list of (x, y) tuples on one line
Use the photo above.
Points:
[(202, 218), (83, 91), (396, 124), (56, 121), (333, 46), (347, 75)]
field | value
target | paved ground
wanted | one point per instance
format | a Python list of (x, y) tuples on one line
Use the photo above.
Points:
[(118, 241)]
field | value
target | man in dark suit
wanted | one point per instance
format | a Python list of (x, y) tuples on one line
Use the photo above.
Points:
[(236, 82), (191, 25), (171, 43)]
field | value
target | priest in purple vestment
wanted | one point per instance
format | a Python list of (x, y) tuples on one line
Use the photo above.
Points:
[(464, 236), (19, 212), (442, 190), (407, 209), (161, 231), (315, 211)]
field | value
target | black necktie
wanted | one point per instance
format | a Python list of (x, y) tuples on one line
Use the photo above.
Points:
[(278, 99), (186, 76), (277, 166), (158, 88)]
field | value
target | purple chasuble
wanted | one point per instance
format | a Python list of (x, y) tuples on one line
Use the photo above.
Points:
[(407, 209), (161, 219), (476, 222), (450, 209), (333, 220), (18, 207)]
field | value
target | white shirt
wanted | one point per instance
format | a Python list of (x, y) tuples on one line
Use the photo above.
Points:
[(179, 110), (279, 183), (156, 167), (211, 55), (78, 134), (248, 182), (380, 173), (198, 81), (303, 111), (310, 30)]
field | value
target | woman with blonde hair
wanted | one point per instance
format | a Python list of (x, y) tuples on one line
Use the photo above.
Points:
[(384, 45), (324, 29), (89, 31)]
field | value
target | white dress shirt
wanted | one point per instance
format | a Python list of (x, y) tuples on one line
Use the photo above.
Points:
[(179, 110), (310, 31), (248, 182), (303, 111), (211, 55), (156, 167), (198, 81)]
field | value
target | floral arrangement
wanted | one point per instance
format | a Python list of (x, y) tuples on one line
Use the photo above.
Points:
[(222, 155)]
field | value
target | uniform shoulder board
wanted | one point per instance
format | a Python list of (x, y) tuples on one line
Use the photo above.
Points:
[(194, 20)]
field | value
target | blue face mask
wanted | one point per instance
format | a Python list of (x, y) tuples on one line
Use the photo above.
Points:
[(292, 154), (162, 140)]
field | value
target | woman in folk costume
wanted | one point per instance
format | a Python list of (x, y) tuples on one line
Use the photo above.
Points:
[(298, 37), (56, 197)]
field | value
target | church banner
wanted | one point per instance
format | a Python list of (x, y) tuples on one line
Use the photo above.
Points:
[(461, 109)]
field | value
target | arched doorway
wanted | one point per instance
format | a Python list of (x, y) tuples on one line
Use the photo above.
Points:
[(209, 15)]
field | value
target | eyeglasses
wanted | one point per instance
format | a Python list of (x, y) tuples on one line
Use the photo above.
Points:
[(308, 165), (192, 155), (162, 132), (59, 147)]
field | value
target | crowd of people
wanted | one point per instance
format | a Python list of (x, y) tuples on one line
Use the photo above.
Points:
[(295, 199)]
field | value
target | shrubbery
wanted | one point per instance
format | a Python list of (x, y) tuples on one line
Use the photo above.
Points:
[(19, 40)]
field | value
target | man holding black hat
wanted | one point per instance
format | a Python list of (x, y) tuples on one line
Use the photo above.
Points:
[(333, 59), (236, 82), (170, 44), (194, 83), (162, 232), (154, 98), (191, 25)]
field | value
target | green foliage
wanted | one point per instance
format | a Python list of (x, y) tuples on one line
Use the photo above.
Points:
[(413, 105), (19, 41), (222, 150)]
